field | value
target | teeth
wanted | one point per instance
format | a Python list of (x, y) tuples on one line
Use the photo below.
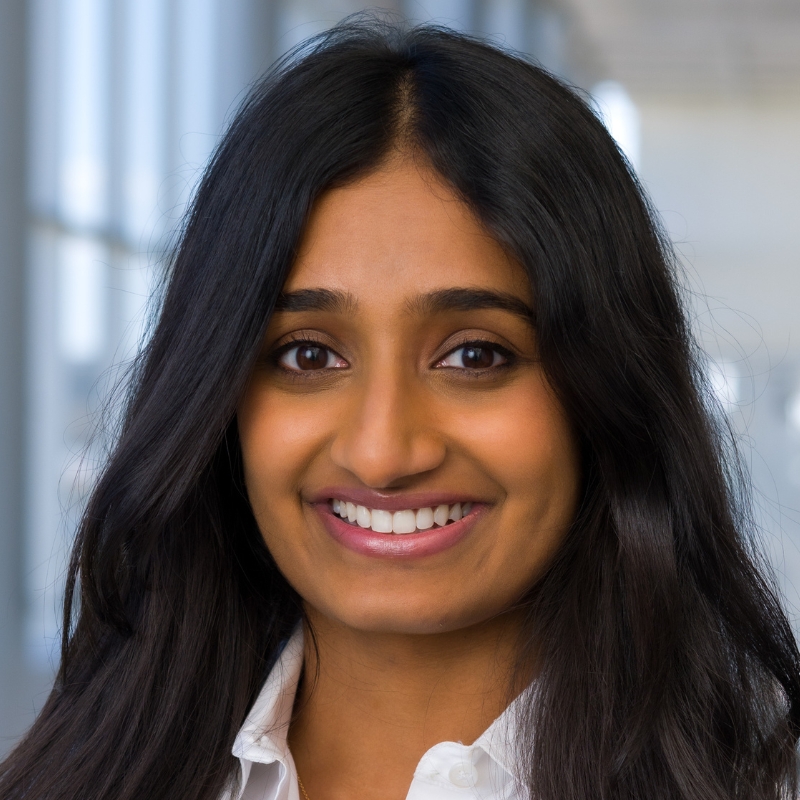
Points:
[(363, 517), (404, 522), (424, 519), (400, 522), (441, 515), (381, 521)]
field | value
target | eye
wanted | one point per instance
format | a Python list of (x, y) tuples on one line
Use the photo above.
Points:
[(310, 356), (475, 355)]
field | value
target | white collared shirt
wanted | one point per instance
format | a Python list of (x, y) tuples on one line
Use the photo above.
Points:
[(448, 771)]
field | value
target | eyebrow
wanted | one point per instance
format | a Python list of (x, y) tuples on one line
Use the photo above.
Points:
[(457, 299), (441, 300), (335, 302)]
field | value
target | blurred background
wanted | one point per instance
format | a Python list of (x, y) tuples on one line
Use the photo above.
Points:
[(110, 108)]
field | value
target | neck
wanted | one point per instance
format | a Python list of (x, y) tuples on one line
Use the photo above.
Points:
[(371, 704)]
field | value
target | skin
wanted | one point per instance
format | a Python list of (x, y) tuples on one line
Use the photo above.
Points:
[(412, 651)]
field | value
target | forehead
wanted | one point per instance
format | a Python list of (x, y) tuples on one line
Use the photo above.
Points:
[(400, 231)]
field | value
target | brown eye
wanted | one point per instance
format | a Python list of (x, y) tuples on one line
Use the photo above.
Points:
[(311, 358), (308, 357), (477, 356)]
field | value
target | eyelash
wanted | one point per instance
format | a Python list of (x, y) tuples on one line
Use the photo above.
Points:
[(506, 354)]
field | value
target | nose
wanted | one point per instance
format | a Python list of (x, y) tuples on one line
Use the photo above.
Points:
[(388, 432)]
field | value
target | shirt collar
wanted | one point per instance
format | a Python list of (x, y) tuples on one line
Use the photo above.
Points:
[(498, 740), (262, 738)]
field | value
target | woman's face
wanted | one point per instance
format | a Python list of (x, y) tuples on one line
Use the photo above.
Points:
[(400, 376)]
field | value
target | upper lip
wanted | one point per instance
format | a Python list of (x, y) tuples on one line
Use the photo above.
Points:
[(388, 502)]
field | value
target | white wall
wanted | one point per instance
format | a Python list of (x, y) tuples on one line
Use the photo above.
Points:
[(726, 177)]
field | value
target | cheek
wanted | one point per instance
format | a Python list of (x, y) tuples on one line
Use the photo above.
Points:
[(526, 436), (528, 448), (279, 438)]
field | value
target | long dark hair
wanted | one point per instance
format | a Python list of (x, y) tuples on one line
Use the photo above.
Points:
[(668, 668)]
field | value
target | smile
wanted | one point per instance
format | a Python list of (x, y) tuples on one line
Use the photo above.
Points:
[(400, 522), (429, 524)]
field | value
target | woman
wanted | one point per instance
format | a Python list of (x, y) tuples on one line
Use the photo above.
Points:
[(418, 493)]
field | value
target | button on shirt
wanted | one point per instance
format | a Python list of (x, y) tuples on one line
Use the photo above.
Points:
[(448, 771)]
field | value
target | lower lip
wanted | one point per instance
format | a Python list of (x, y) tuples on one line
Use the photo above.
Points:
[(396, 545)]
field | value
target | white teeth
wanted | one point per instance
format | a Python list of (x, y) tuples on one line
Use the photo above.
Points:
[(424, 519), (440, 516), (363, 517), (404, 522), (381, 521)]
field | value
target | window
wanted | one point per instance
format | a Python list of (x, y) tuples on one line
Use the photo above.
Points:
[(128, 99)]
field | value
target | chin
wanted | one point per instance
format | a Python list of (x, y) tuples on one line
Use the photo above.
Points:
[(405, 618)]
